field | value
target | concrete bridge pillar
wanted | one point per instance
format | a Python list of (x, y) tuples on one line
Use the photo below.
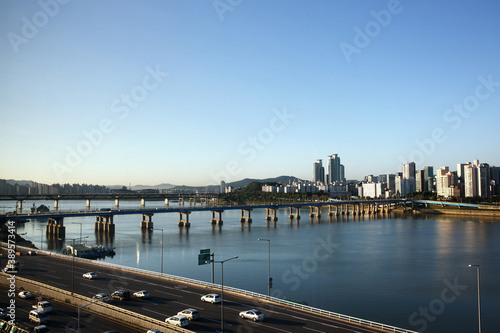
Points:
[(216, 220), (271, 214), (166, 202), (143, 203), (295, 213), (184, 222), (315, 211), (117, 203), (104, 224), (55, 228), (246, 218), (19, 206), (88, 203), (332, 211), (181, 201), (56, 204), (147, 221)]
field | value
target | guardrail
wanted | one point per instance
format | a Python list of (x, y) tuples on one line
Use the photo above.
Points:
[(270, 299), (100, 307)]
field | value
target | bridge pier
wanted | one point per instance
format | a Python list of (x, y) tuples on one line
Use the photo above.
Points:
[(216, 220), (104, 224), (56, 204), (294, 213), (143, 203), (315, 212), (184, 222), (88, 203), (331, 211), (117, 203), (147, 221), (166, 202), (247, 218), (19, 206), (271, 214), (55, 228)]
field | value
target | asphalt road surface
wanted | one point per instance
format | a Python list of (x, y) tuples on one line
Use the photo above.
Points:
[(169, 297)]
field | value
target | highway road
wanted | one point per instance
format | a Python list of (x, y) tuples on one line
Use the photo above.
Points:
[(169, 297), (63, 318)]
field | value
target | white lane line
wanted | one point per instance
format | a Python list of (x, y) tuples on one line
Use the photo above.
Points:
[(53, 277), (161, 314), (188, 305), (164, 292), (310, 329)]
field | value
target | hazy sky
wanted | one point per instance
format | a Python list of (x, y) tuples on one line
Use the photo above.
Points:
[(192, 92)]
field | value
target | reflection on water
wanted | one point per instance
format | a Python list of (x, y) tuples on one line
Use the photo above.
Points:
[(374, 268)]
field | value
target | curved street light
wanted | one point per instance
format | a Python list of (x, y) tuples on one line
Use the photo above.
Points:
[(222, 291), (478, 297), (268, 265)]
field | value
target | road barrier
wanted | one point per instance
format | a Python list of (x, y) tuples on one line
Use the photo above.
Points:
[(261, 297)]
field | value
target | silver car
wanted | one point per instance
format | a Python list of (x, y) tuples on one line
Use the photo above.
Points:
[(253, 314), (190, 314)]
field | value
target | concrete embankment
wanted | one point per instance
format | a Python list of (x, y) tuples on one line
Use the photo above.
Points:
[(462, 212)]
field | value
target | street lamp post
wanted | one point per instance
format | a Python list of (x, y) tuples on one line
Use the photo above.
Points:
[(80, 228), (41, 239), (222, 291), (478, 297), (161, 249), (72, 266), (268, 265)]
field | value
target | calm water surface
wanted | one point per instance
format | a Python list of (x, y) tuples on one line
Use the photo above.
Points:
[(410, 272)]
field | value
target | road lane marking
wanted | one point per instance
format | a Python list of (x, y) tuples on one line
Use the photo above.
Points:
[(53, 277), (164, 292), (161, 314), (311, 329)]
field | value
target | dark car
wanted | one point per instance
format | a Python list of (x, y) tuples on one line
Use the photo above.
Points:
[(122, 295)]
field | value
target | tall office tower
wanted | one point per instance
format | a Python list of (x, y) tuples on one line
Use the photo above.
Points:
[(442, 181), (419, 181), (483, 180), (318, 172), (391, 183), (222, 188), (398, 184), (470, 180), (342, 173), (334, 173), (461, 178), (408, 178), (428, 178), (495, 180)]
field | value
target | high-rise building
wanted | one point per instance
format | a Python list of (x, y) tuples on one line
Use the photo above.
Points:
[(334, 169), (318, 172), (408, 180), (428, 178), (419, 181), (483, 180), (446, 183), (470, 180)]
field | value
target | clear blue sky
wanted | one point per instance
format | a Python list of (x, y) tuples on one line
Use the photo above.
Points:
[(186, 92)]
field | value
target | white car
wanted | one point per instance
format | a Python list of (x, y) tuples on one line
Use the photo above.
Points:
[(142, 294), (177, 320), (90, 275), (25, 295), (253, 314), (190, 314), (154, 331), (211, 298)]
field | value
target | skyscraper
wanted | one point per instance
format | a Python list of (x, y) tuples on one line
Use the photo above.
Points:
[(428, 178), (318, 172), (334, 169)]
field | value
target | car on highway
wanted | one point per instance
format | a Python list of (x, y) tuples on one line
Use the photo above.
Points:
[(253, 314), (102, 297), (154, 331), (90, 275), (25, 294), (211, 298), (39, 317), (122, 295), (190, 314), (142, 294), (41, 329), (177, 320)]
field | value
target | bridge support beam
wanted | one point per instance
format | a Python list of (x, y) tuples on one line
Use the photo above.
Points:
[(56, 204), (294, 213), (147, 222), (333, 210), (143, 203), (216, 220), (117, 203), (246, 218), (104, 224), (166, 202), (315, 212), (19, 206), (55, 228), (184, 222), (271, 214)]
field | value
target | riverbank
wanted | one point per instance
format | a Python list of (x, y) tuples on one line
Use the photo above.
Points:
[(459, 212)]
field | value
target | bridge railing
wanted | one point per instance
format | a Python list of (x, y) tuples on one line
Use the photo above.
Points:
[(276, 300)]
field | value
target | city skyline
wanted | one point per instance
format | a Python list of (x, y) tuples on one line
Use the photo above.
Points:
[(190, 94)]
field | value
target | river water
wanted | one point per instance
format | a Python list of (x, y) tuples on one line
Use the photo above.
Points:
[(410, 272)]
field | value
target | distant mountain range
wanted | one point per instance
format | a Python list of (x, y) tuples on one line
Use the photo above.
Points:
[(208, 188), (167, 186)]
